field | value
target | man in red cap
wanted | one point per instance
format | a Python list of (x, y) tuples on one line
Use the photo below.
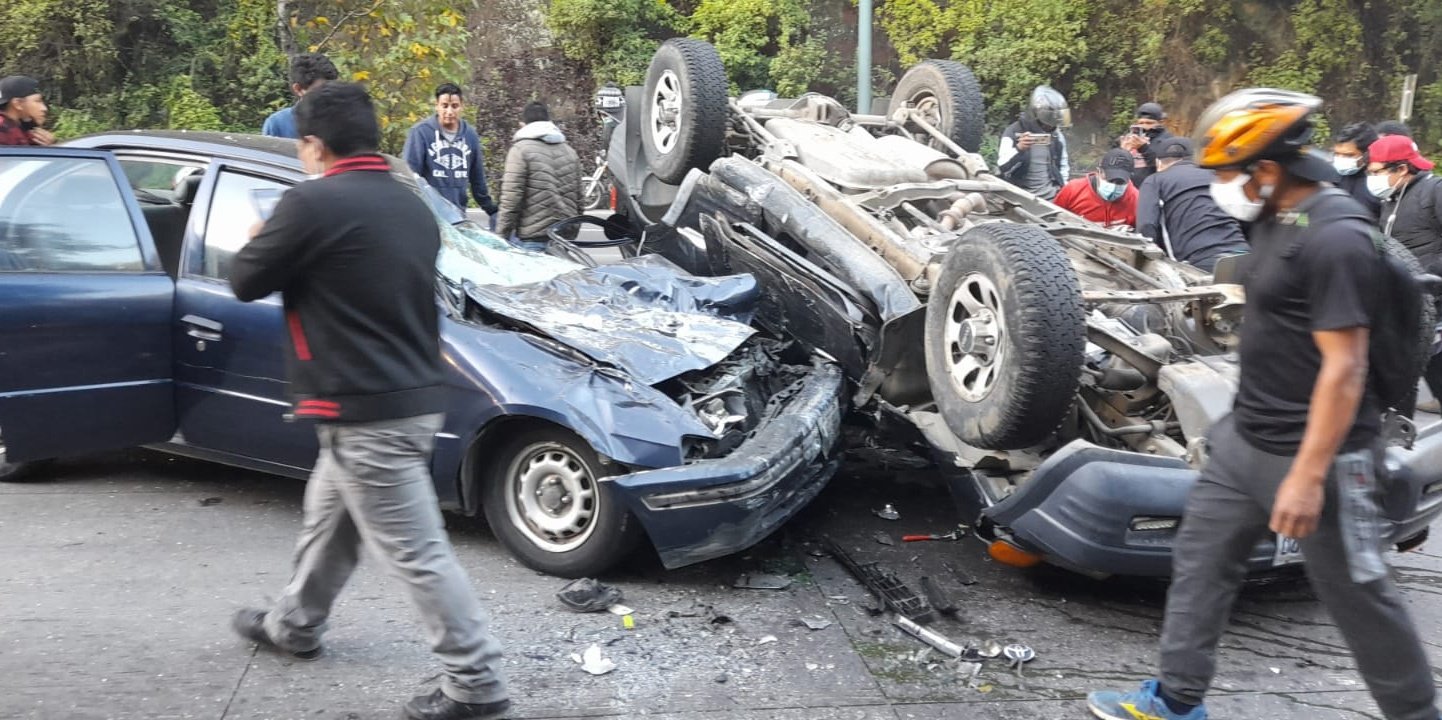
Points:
[(1412, 213), (22, 112)]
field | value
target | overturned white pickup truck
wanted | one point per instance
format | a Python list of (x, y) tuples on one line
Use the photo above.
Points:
[(1066, 371)]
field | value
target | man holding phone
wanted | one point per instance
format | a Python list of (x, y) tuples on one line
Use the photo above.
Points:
[(1142, 140), (1032, 153)]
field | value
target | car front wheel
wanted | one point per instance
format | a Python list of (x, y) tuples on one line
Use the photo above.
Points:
[(544, 496)]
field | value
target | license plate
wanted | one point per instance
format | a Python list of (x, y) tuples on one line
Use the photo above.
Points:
[(1289, 552), (610, 102)]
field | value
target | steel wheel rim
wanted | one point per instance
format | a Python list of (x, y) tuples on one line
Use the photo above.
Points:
[(666, 107), (552, 498), (975, 337)]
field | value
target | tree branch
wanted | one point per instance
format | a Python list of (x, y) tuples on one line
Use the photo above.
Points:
[(344, 19)]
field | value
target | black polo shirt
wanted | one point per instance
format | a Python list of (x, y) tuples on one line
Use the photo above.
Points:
[(1312, 269)]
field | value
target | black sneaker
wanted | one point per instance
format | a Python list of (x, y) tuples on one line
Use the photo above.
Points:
[(249, 623), (437, 706)]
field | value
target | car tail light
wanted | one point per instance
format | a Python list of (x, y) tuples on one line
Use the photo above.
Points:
[(1006, 553)]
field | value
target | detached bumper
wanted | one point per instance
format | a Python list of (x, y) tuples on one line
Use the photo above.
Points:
[(1105, 512), (712, 508)]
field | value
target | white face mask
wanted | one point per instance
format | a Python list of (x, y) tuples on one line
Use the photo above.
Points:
[(1380, 186), (1233, 200), (1346, 165)]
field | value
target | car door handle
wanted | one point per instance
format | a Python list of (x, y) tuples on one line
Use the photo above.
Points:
[(202, 328)]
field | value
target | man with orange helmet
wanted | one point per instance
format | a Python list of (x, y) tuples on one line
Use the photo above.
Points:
[(1296, 456)]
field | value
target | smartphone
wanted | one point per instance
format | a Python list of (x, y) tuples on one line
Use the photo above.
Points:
[(1139, 131), (264, 201), (1040, 138)]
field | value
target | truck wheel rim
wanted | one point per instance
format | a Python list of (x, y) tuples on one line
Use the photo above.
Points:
[(975, 337), (554, 501), (666, 105)]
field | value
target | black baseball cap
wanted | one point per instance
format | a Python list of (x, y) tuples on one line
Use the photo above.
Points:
[(1174, 147), (1151, 110), (1117, 165), (17, 86), (1309, 165)]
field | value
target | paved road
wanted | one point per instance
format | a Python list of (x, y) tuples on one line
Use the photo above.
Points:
[(121, 572)]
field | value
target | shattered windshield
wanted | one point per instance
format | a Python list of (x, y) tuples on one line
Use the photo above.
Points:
[(470, 253)]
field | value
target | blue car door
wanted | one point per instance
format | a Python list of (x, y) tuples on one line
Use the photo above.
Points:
[(230, 355), (85, 310)]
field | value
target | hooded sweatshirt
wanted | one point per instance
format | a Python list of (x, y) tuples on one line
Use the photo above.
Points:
[(451, 164), (542, 185)]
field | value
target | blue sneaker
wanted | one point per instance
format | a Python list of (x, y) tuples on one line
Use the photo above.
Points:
[(1144, 704)]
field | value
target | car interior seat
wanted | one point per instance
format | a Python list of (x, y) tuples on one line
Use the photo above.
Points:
[(167, 220)]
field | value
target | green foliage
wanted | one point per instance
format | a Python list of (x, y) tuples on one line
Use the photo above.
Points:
[(185, 109), (616, 37), (401, 49), (748, 34)]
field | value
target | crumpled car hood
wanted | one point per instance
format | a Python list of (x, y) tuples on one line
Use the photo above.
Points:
[(644, 315)]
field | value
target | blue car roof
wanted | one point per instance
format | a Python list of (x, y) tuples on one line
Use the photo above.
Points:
[(278, 152)]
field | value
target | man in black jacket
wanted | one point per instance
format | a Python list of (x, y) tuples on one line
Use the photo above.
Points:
[(353, 255), (1144, 138), (1349, 157), (1411, 213), (1177, 212)]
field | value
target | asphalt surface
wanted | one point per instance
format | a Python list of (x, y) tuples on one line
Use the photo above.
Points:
[(122, 570)]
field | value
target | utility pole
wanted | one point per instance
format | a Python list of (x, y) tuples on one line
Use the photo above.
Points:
[(863, 57)]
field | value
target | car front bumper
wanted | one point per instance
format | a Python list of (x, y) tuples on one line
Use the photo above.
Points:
[(1088, 508), (715, 507)]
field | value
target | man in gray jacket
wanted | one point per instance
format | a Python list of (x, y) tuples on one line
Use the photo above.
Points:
[(542, 184)]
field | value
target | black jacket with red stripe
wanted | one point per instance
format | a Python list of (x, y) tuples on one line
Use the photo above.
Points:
[(353, 255)]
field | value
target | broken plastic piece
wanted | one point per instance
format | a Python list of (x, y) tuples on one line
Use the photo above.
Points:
[(932, 638), (619, 609), (887, 588), (628, 622), (884, 539), (592, 662), (888, 512), (816, 623), (766, 640), (1007, 553), (588, 595), (937, 597), (762, 582)]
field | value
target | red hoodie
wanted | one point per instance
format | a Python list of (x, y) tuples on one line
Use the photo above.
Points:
[(1079, 197)]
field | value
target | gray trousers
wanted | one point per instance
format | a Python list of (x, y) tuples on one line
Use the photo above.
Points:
[(1226, 516), (372, 485)]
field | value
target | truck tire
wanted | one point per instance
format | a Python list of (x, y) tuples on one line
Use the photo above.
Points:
[(544, 497), (683, 118), (1005, 337), (949, 94)]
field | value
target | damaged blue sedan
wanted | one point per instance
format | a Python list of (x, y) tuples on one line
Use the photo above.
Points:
[(590, 407)]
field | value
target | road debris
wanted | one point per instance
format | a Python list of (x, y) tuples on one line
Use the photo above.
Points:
[(888, 589), (884, 539), (1019, 655), (592, 662), (957, 534), (206, 502), (888, 512), (934, 639), (759, 581), (814, 623), (766, 640), (970, 670), (938, 597), (589, 595)]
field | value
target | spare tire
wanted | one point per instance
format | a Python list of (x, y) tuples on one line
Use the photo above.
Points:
[(683, 118), (947, 93), (1005, 336)]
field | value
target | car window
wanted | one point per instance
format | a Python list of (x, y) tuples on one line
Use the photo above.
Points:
[(232, 213), (155, 176), (64, 214)]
